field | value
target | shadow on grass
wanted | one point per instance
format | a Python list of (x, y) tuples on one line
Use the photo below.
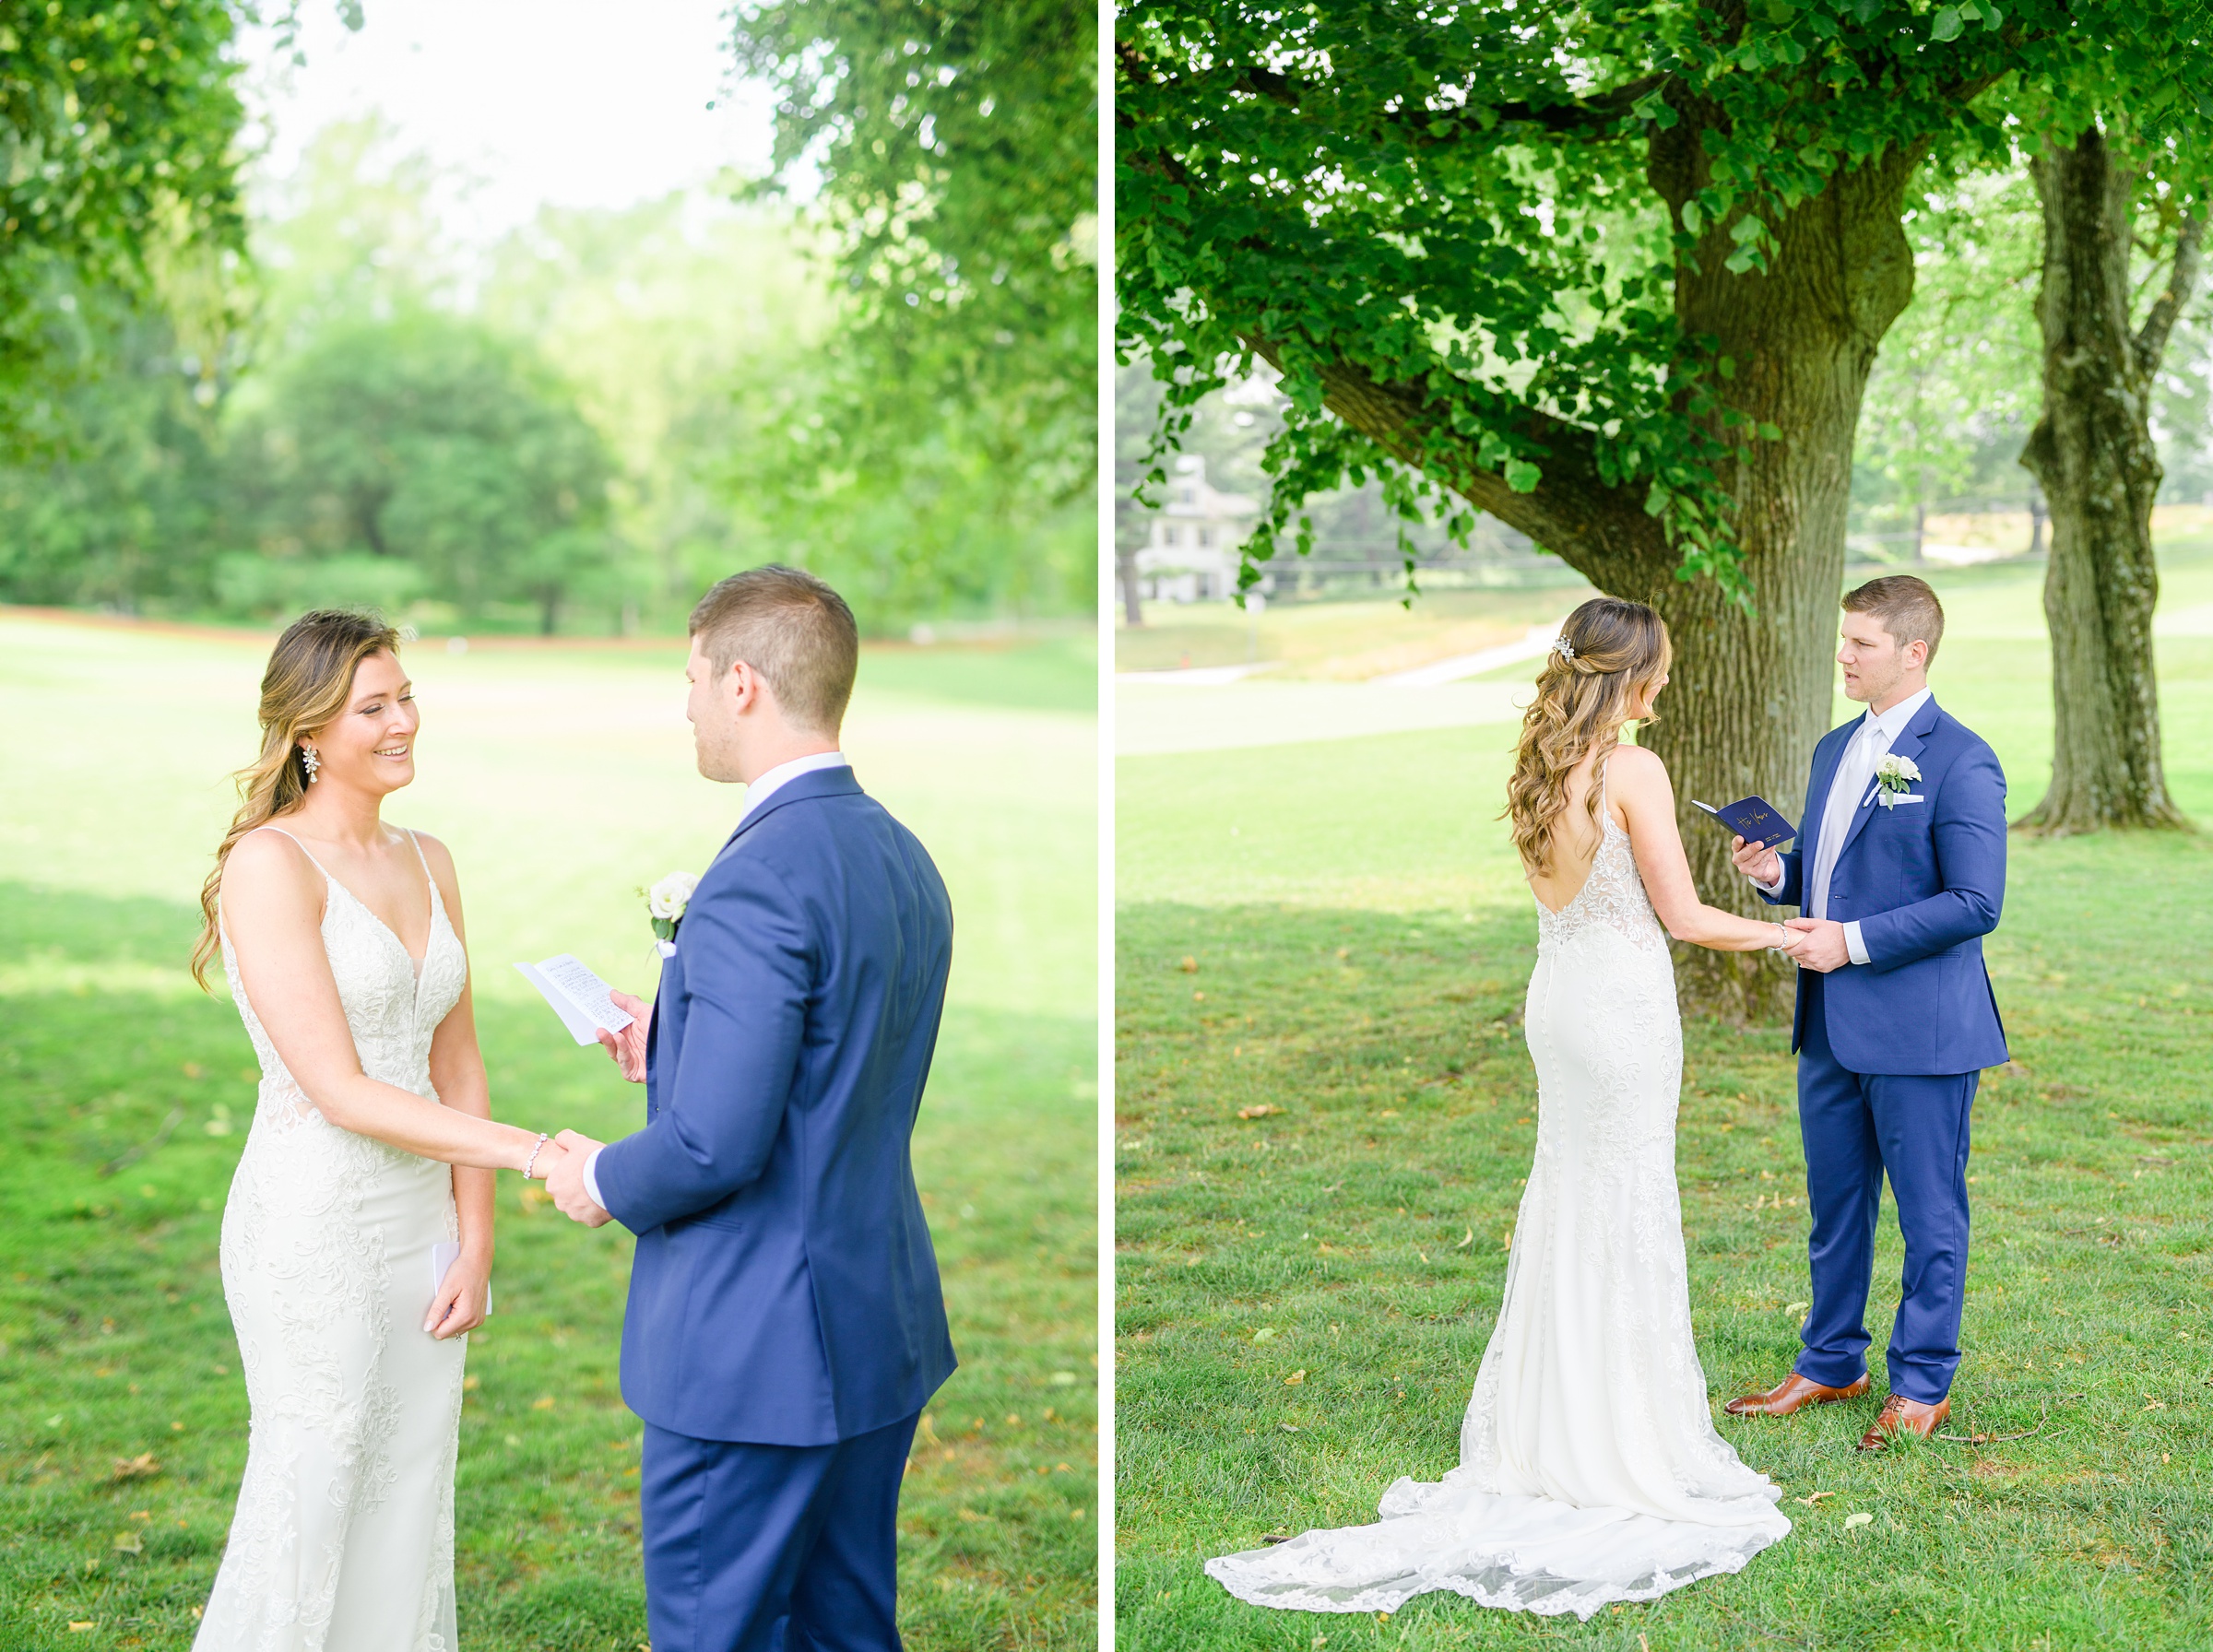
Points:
[(1325, 1119), (115, 1348)]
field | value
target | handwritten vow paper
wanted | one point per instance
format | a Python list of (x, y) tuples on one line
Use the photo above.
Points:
[(578, 997)]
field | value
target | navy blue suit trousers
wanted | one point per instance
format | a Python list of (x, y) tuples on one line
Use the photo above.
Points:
[(1857, 1126), (772, 1548)]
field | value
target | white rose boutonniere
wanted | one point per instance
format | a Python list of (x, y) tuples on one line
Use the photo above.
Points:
[(1894, 774), (665, 903)]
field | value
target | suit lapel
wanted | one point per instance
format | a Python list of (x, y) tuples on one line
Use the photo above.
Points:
[(1909, 742)]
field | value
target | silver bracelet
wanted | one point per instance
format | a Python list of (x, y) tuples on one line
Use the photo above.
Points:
[(542, 1139)]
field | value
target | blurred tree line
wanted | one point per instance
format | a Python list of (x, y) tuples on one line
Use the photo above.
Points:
[(1957, 388), (582, 426)]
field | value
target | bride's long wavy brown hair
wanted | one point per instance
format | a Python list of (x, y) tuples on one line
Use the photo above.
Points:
[(1621, 649), (308, 682)]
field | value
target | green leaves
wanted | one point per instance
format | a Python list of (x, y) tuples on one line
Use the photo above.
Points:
[(1948, 20), (1653, 107), (957, 145), (1490, 297), (121, 123)]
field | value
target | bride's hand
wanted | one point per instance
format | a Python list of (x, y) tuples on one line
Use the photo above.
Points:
[(550, 1153), (461, 1298)]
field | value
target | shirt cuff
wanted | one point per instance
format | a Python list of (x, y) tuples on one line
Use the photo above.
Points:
[(591, 1164), (1853, 944), (1775, 888)]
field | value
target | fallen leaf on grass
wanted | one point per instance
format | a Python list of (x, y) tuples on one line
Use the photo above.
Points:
[(1259, 1110), (1466, 1239), (544, 1403), (1295, 1378), (129, 1542), (1265, 1334), (1817, 1497), (1862, 1518), (81, 1625), (1796, 1307), (141, 1466)]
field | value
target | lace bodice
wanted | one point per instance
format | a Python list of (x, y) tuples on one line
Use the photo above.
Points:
[(393, 1006), (1612, 899)]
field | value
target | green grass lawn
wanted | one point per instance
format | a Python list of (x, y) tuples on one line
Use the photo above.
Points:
[(1340, 932), (562, 779)]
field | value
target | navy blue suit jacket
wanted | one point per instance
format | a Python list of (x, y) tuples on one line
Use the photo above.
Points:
[(1925, 881), (785, 1291)]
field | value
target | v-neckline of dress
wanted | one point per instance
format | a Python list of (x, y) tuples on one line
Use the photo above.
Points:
[(431, 937)]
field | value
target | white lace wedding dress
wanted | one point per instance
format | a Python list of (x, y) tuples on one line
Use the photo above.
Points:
[(1590, 1470), (343, 1541)]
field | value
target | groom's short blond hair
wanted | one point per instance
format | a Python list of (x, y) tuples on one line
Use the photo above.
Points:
[(1908, 608), (792, 628)]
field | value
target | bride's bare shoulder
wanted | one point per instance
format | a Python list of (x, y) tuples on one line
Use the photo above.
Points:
[(264, 863), (1635, 766)]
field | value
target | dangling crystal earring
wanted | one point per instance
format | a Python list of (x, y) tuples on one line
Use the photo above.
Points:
[(310, 762)]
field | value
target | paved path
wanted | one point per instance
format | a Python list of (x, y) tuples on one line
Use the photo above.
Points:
[(1152, 717)]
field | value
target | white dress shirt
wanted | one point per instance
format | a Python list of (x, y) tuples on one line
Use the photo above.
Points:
[(1856, 770), (765, 786)]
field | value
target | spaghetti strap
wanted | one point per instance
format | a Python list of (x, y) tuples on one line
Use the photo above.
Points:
[(437, 900), (304, 849)]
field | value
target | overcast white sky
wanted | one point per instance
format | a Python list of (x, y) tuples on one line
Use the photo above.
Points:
[(573, 102)]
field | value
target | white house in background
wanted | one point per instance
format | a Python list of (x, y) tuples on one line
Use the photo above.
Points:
[(1190, 551)]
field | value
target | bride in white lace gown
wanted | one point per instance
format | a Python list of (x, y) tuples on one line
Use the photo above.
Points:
[(1590, 1470), (371, 1142)]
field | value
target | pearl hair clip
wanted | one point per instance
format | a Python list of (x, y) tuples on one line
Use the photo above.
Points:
[(1563, 647)]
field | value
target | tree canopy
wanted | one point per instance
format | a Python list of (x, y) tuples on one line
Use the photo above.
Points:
[(956, 146), (435, 441), (1467, 235), (119, 161)]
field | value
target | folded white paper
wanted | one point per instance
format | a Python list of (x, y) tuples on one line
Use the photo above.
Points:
[(578, 997), (444, 1255)]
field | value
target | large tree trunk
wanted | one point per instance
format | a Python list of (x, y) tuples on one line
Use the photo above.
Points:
[(1750, 693), (2093, 454)]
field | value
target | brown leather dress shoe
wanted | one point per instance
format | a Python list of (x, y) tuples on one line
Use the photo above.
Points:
[(1794, 1393), (1903, 1416)]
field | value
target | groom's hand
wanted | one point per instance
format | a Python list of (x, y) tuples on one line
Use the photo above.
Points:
[(1820, 944), (628, 1046), (564, 1181), (1755, 861)]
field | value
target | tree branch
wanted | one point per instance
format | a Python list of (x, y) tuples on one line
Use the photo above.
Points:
[(2151, 342), (1601, 531)]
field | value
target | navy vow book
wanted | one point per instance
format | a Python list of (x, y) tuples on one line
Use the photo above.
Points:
[(1753, 819)]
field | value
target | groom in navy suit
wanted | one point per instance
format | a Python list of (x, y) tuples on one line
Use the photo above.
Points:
[(1898, 872), (786, 1325)]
